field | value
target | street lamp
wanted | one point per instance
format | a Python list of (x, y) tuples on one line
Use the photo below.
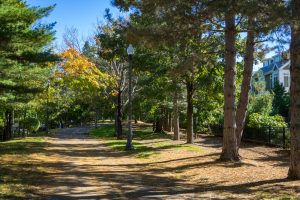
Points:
[(130, 52)]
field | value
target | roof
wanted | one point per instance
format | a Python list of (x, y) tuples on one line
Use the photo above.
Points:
[(270, 67)]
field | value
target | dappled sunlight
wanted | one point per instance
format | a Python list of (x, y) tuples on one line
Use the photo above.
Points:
[(72, 165)]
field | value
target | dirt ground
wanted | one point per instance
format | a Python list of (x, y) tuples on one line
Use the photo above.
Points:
[(78, 167)]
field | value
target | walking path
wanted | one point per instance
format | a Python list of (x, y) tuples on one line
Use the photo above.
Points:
[(84, 168)]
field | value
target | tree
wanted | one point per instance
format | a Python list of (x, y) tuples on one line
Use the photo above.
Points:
[(229, 150), (181, 29), (24, 50), (281, 100), (294, 170), (111, 47), (259, 24)]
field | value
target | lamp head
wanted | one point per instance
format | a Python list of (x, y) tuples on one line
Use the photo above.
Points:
[(130, 50)]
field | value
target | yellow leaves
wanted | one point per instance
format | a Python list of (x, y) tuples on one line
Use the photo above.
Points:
[(81, 70), (75, 63), (114, 93)]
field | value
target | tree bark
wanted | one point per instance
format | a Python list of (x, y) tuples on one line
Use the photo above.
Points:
[(96, 118), (170, 122), (230, 150), (190, 126), (294, 170), (7, 132), (119, 116), (158, 126), (165, 120), (176, 116), (246, 83)]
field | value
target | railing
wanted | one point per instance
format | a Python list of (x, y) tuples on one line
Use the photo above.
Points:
[(273, 136)]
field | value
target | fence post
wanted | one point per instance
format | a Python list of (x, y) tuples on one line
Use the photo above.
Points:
[(269, 134), (283, 137)]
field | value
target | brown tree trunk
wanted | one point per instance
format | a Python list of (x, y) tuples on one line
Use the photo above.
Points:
[(96, 118), (190, 126), (158, 126), (7, 133), (294, 170), (246, 83), (119, 116), (229, 150), (170, 122), (165, 120), (176, 116)]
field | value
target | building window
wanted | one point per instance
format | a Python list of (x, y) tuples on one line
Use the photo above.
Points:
[(286, 81), (275, 80)]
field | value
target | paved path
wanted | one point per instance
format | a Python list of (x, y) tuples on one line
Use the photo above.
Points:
[(76, 172), (82, 168)]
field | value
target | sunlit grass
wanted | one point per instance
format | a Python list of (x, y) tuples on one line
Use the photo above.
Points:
[(141, 148), (267, 195), (106, 133), (16, 172), (186, 147)]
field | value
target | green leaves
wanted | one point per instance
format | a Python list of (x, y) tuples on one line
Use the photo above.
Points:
[(257, 120)]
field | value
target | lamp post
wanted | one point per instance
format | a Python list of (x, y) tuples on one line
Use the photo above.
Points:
[(130, 52)]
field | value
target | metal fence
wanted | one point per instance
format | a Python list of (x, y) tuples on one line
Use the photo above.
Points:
[(273, 136)]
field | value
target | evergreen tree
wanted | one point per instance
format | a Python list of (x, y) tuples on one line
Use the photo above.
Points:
[(281, 100), (24, 52), (294, 170)]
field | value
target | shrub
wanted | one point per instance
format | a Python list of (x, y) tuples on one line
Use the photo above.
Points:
[(31, 124), (257, 120), (261, 103)]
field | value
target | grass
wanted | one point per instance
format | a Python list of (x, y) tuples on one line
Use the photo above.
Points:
[(16, 169), (267, 195), (20, 146), (187, 147), (141, 135), (106, 133)]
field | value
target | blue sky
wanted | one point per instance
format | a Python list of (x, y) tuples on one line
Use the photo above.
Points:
[(81, 14)]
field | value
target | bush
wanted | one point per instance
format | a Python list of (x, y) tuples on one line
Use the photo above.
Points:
[(261, 103), (257, 120), (31, 124)]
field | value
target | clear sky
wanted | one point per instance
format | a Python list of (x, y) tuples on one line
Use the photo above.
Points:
[(81, 14)]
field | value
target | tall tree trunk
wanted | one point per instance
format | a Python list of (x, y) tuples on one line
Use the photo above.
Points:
[(165, 120), (118, 124), (158, 126), (190, 126), (170, 122), (7, 133), (229, 150), (246, 84), (96, 118), (23, 125), (176, 116), (294, 170)]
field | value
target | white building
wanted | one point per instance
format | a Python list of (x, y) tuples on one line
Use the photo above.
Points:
[(275, 69)]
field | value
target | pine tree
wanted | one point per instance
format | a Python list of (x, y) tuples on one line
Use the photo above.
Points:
[(294, 170), (24, 50)]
